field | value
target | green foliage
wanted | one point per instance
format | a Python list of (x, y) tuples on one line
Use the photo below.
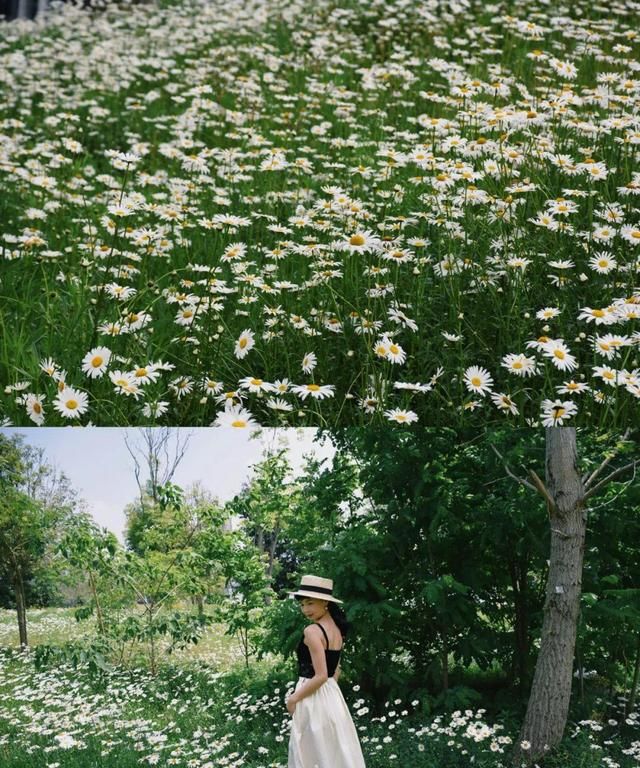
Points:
[(283, 627), (125, 717), (242, 610), (36, 503), (175, 564), (93, 656), (442, 557)]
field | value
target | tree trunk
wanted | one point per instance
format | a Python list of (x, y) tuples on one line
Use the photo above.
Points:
[(152, 645), (634, 684), (273, 543), (445, 661), (21, 606), (272, 550), (548, 704), (518, 572), (152, 641), (94, 592)]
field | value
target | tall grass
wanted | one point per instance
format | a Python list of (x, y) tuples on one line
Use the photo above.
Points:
[(438, 201)]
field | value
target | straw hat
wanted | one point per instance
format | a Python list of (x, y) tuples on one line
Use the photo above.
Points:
[(316, 586)]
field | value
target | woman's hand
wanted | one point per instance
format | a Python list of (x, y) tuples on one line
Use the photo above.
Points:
[(291, 705)]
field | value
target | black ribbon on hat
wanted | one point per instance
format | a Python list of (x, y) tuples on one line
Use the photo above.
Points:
[(324, 590)]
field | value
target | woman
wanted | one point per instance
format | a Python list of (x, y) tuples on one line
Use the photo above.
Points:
[(322, 732)]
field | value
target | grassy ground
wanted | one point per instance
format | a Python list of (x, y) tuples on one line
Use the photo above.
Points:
[(291, 213), (197, 715), (58, 625)]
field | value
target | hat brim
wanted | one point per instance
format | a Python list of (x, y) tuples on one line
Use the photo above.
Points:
[(317, 595)]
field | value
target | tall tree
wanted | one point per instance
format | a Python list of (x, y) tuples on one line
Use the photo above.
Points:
[(566, 492), (156, 455), (548, 704), (34, 502), (21, 541), (266, 502)]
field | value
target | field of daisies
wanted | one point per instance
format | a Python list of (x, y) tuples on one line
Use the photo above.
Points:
[(275, 212), (204, 710)]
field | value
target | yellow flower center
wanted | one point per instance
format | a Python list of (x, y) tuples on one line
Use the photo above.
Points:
[(559, 354), (239, 423), (37, 408), (256, 382), (313, 387), (476, 381), (140, 372), (357, 240), (71, 404), (97, 361)]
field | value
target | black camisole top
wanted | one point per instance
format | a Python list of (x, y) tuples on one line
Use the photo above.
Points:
[(305, 665)]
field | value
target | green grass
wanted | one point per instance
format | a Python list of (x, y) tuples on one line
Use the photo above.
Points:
[(190, 716), (57, 626), (344, 96), (205, 710)]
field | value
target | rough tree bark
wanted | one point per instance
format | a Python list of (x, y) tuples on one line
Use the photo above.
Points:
[(548, 704), (566, 494), (21, 606)]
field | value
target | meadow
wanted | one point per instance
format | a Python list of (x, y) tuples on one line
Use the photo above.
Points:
[(205, 710), (289, 213)]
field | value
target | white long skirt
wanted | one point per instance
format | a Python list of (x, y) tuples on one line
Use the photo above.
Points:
[(322, 732)]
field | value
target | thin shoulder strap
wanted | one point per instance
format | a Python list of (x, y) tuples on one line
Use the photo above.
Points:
[(325, 635)]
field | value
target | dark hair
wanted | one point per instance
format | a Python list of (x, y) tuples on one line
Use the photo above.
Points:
[(337, 614), (340, 618)]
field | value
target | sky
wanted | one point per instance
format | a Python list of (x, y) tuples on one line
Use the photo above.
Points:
[(100, 468)]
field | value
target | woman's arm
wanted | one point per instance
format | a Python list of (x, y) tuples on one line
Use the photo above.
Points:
[(336, 674), (313, 639)]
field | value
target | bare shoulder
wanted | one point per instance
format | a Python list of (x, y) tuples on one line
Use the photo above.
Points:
[(312, 635)]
